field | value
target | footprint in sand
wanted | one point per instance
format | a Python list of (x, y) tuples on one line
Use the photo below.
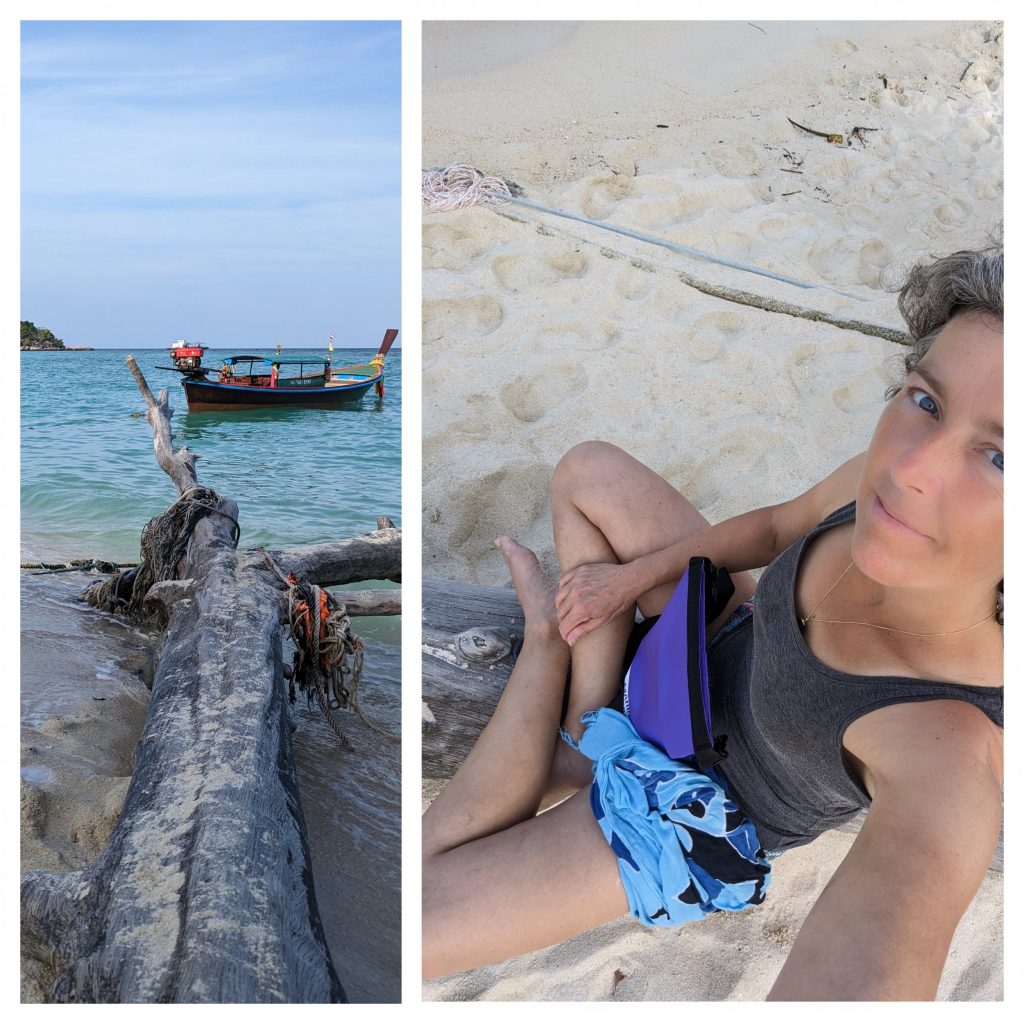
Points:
[(841, 48), (471, 316), (593, 336), (741, 161), (713, 332), (634, 283), (811, 366), (848, 260), (952, 212), (526, 273), (488, 502), (529, 397), (452, 248), (602, 195)]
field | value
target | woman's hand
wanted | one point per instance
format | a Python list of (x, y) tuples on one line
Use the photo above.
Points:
[(591, 595)]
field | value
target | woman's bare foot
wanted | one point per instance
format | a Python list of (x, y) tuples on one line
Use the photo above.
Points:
[(536, 594)]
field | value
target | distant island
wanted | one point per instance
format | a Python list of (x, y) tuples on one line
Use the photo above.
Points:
[(41, 339)]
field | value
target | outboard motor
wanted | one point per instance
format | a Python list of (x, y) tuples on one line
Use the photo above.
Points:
[(187, 355)]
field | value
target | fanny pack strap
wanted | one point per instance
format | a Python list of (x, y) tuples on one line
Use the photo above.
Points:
[(709, 591)]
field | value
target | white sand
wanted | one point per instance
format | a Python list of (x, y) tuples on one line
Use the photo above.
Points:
[(540, 332)]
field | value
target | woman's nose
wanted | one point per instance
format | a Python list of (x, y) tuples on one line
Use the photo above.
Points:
[(923, 463)]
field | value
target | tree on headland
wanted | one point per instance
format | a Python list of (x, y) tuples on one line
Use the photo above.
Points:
[(38, 337)]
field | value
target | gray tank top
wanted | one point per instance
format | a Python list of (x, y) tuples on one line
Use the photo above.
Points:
[(784, 712)]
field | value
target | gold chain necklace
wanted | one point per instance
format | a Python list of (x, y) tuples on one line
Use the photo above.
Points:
[(874, 625)]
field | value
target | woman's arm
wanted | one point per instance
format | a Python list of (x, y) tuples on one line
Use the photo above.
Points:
[(882, 926), (591, 595)]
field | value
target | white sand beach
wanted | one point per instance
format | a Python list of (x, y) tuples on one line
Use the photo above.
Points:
[(541, 332)]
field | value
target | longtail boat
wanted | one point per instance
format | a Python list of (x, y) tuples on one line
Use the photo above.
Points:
[(256, 382)]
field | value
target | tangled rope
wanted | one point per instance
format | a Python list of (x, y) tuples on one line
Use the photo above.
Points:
[(459, 186), (324, 642), (164, 540), (77, 565)]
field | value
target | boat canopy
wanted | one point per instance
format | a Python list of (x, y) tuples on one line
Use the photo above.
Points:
[(264, 361)]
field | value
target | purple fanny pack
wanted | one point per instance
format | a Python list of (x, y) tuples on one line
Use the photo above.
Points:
[(665, 694)]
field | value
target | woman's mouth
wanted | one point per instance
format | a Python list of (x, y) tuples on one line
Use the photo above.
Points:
[(888, 520)]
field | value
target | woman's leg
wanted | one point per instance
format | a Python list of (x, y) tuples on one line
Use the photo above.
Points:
[(532, 885), (608, 507), (496, 880), (504, 777)]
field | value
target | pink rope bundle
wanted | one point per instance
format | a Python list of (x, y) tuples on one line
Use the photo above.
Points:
[(459, 186)]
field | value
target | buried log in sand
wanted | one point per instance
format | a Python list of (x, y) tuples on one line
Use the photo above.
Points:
[(204, 892)]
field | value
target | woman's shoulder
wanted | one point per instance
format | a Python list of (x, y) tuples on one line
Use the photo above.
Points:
[(924, 746)]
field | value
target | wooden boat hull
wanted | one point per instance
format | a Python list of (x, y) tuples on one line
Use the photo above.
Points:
[(212, 396)]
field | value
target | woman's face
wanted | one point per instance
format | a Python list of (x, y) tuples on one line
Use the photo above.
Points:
[(930, 501)]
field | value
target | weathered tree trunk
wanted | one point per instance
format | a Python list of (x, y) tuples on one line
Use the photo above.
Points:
[(205, 891), (471, 636)]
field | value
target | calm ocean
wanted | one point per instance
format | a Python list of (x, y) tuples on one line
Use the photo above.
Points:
[(89, 482)]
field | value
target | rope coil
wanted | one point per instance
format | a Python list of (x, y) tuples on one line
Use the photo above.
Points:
[(324, 643), (460, 186)]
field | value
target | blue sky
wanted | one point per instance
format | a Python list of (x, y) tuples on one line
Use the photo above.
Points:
[(235, 183)]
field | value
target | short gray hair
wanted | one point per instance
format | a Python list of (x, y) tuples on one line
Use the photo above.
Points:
[(932, 294)]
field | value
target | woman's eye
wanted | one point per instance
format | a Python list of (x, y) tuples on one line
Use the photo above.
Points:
[(923, 401), (997, 459)]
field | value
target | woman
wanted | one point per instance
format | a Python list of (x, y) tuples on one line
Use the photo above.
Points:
[(867, 670)]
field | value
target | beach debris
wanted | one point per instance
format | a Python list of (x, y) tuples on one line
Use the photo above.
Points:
[(164, 540), (661, 126), (834, 137), (857, 132), (459, 186), (77, 565), (617, 979), (796, 193), (758, 27), (970, 64), (324, 641)]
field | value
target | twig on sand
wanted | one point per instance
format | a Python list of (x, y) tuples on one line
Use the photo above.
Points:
[(737, 295), (970, 64), (835, 137), (758, 27)]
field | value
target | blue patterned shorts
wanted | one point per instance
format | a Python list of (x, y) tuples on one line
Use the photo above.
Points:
[(685, 850)]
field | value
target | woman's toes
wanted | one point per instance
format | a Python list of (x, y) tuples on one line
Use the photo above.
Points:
[(535, 593)]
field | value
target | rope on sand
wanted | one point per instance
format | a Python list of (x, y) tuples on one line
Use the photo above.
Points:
[(460, 186)]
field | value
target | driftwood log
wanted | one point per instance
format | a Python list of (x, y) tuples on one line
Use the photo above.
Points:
[(471, 636), (204, 892)]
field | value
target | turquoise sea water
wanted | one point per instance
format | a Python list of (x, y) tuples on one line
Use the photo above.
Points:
[(89, 481)]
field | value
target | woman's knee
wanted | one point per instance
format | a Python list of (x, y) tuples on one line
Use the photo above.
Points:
[(585, 462)]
